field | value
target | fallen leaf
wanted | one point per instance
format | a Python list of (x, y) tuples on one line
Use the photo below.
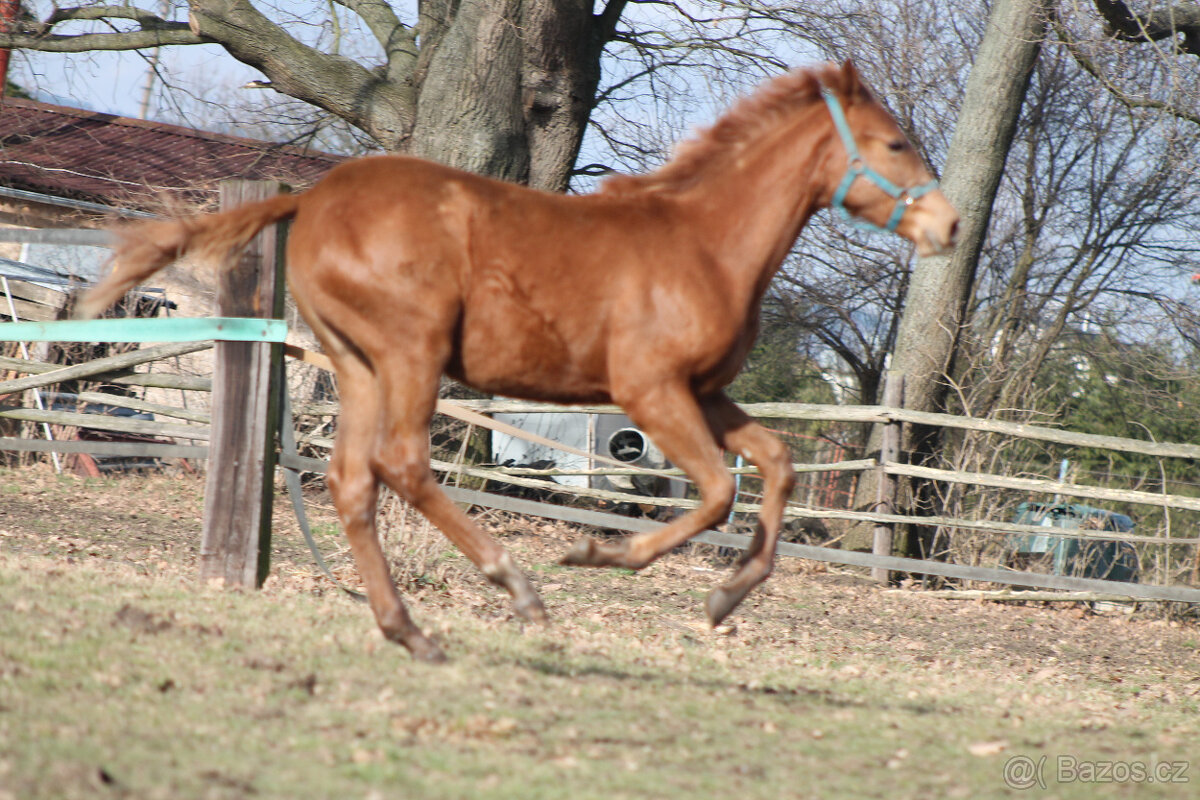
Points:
[(988, 748)]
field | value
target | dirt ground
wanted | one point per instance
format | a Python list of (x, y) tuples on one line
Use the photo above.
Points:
[(153, 523)]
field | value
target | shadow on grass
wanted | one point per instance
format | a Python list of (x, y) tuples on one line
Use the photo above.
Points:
[(657, 676)]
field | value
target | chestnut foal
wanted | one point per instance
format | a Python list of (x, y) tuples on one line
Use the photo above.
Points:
[(645, 293)]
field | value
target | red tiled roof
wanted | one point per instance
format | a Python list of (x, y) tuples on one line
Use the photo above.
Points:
[(118, 161)]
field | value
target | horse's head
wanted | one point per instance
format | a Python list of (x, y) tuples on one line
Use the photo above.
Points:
[(879, 178)]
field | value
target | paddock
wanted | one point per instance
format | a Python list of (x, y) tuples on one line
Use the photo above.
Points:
[(135, 678), (123, 675)]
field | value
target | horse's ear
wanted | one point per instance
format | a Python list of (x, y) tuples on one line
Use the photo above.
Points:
[(853, 83)]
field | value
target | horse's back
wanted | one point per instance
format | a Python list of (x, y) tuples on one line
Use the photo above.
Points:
[(530, 292)]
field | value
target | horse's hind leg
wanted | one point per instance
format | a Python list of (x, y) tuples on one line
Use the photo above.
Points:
[(401, 460), (355, 490), (738, 433), (671, 417)]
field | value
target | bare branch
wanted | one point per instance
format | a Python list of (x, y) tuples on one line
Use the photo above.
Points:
[(152, 31), (399, 41), (1178, 22), (83, 42), (607, 19), (1090, 66), (380, 104), (334, 83)]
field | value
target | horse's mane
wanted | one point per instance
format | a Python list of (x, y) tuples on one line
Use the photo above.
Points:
[(748, 118)]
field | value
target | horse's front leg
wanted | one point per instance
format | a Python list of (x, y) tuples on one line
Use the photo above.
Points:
[(738, 433)]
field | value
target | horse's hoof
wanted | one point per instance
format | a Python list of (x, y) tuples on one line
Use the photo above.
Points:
[(720, 603), (423, 649), (532, 610), (582, 554)]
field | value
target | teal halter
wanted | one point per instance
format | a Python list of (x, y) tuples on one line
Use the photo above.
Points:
[(856, 166)]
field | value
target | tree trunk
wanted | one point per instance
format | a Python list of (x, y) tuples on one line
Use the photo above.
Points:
[(935, 307), (498, 87), (505, 88)]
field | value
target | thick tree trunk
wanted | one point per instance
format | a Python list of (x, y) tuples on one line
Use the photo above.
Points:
[(505, 87), (498, 87), (935, 307)]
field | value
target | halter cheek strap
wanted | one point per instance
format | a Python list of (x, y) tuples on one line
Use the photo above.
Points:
[(856, 167)]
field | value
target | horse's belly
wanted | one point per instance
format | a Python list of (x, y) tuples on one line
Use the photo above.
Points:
[(509, 347), (529, 373)]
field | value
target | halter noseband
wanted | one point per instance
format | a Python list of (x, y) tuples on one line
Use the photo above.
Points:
[(856, 166)]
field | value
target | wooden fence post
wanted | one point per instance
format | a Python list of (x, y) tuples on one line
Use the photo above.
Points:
[(245, 409), (885, 496)]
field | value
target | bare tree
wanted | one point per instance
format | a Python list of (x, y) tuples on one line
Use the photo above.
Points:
[(501, 88), (1089, 213)]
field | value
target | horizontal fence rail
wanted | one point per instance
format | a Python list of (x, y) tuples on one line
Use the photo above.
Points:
[(1043, 486), (126, 449), (122, 376), (147, 329), (72, 236), (807, 412)]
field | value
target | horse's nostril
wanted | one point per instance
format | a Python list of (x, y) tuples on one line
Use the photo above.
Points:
[(953, 232)]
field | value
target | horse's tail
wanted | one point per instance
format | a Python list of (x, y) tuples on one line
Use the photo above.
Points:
[(143, 248)]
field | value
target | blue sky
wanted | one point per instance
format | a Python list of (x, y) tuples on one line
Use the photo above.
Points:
[(112, 82)]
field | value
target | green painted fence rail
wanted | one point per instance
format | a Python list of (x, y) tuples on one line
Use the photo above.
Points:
[(141, 329)]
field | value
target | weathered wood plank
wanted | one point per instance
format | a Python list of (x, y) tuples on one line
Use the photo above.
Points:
[(28, 310), (879, 414), (35, 294), (106, 422), (143, 406), (107, 364), (1071, 438), (1046, 487), (237, 501), (148, 449), (85, 236), (160, 380), (1009, 595)]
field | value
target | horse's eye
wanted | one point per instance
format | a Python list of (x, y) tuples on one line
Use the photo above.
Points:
[(897, 145)]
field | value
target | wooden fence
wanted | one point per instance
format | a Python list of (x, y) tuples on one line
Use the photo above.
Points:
[(194, 428), (253, 412)]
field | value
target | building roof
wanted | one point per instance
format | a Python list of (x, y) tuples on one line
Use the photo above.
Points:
[(118, 161)]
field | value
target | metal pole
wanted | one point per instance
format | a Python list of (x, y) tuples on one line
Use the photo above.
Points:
[(8, 15)]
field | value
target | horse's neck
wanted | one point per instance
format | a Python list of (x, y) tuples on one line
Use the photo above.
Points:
[(751, 208)]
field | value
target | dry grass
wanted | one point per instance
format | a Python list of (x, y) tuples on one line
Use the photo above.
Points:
[(121, 677)]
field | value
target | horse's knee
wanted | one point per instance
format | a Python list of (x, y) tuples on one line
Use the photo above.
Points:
[(775, 462), (353, 488), (408, 476)]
